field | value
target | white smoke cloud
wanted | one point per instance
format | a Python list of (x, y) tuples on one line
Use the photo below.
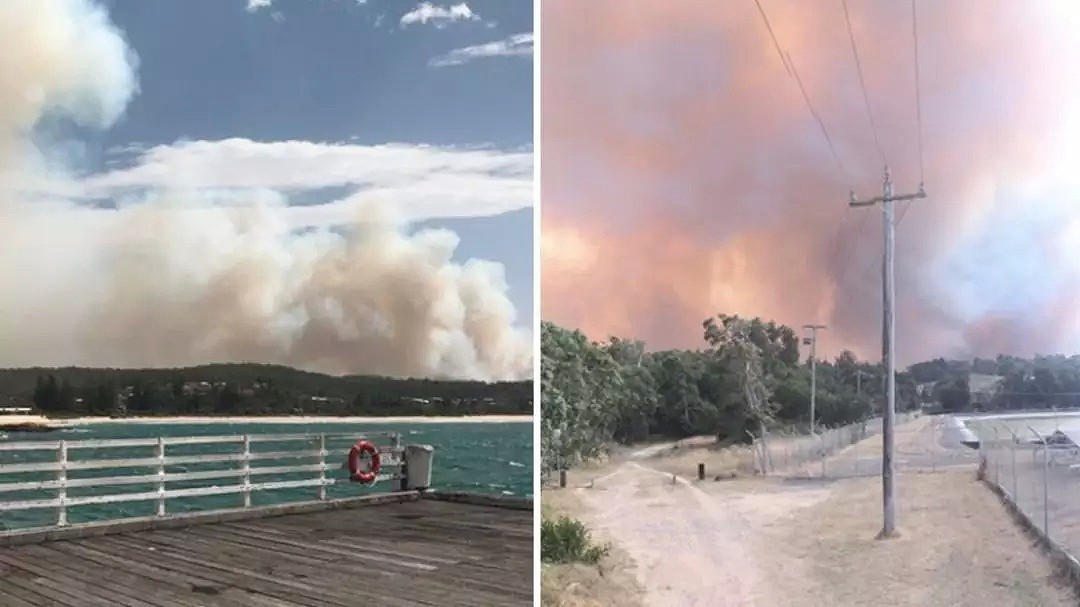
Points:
[(200, 262)]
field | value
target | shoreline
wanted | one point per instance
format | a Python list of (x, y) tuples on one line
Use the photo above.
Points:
[(297, 419)]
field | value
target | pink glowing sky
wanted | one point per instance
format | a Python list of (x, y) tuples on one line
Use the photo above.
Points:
[(682, 175)]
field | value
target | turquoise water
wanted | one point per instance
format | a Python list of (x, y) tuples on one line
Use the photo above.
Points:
[(491, 458)]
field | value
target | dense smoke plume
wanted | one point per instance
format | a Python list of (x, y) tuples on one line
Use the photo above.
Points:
[(187, 275), (684, 176)]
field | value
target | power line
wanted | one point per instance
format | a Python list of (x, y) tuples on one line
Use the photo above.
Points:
[(821, 123), (918, 92), (862, 82), (789, 66), (772, 35)]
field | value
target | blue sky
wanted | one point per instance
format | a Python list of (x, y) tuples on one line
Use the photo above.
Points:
[(338, 185), (333, 71)]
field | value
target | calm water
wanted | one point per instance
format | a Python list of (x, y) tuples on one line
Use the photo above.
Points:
[(492, 458), (1022, 424)]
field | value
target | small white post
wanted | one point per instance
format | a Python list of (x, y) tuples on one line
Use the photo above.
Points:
[(322, 467), (161, 476), (61, 478), (247, 472)]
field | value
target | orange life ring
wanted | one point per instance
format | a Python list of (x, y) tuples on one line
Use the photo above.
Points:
[(355, 473)]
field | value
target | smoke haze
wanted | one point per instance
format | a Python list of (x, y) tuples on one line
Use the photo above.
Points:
[(683, 175), (181, 275)]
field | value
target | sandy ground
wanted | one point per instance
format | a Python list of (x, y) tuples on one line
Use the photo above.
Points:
[(754, 541), (300, 419)]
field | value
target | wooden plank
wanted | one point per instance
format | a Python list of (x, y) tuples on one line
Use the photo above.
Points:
[(468, 555), (119, 579), (19, 597), (242, 576), (306, 567), (72, 595), (370, 544), (156, 577), (280, 543), (205, 576), (70, 571)]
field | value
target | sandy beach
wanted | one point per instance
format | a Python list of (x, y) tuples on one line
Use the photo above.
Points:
[(301, 419)]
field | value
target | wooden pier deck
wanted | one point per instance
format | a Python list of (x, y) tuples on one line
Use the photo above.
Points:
[(397, 549)]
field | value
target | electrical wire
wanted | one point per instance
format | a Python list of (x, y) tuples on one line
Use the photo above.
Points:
[(772, 35), (817, 117), (862, 84), (789, 66), (918, 91)]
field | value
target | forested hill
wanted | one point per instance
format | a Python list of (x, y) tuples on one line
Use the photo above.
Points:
[(252, 389)]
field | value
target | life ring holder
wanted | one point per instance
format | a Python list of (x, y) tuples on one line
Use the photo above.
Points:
[(364, 476)]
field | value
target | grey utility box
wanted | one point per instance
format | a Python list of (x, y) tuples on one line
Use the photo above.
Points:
[(418, 466)]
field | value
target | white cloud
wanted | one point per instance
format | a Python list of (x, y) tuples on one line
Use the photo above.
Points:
[(518, 45), (423, 181), (255, 5), (439, 16)]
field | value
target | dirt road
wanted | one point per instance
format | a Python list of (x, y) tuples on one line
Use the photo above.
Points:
[(771, 542)]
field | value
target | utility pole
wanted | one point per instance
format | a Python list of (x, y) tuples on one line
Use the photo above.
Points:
[(858, 381), (812, 342), (888, 469)]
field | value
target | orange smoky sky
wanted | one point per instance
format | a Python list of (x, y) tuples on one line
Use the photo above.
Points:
[(682, 175)]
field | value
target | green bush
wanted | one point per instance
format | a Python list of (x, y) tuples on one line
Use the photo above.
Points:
[(566, 540)]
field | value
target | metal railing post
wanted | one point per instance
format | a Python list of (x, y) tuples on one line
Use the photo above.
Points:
[(160, 451), (61, 478), (247, 471), (322, 467)]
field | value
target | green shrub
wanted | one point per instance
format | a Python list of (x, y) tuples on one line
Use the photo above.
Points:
[(566, 540)]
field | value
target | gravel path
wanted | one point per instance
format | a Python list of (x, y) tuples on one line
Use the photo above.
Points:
[(802, 544)]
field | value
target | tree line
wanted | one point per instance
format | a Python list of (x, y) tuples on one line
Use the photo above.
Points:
[(748, 376), (252, 389)]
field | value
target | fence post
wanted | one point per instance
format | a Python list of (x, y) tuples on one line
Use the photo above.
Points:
[(933, 443), (997, 460), (160, 452), (247, 471), (1012, 449), (322, 466), (823, 458), (61, 478), (1046, 490)]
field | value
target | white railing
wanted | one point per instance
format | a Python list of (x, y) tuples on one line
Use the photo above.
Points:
[(391, 455)]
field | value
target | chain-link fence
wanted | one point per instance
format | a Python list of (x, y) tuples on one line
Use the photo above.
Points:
[(1038, 472), (846, 452)]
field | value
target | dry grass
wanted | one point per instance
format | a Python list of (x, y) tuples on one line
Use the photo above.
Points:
[(609, 584), (957, 547)]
